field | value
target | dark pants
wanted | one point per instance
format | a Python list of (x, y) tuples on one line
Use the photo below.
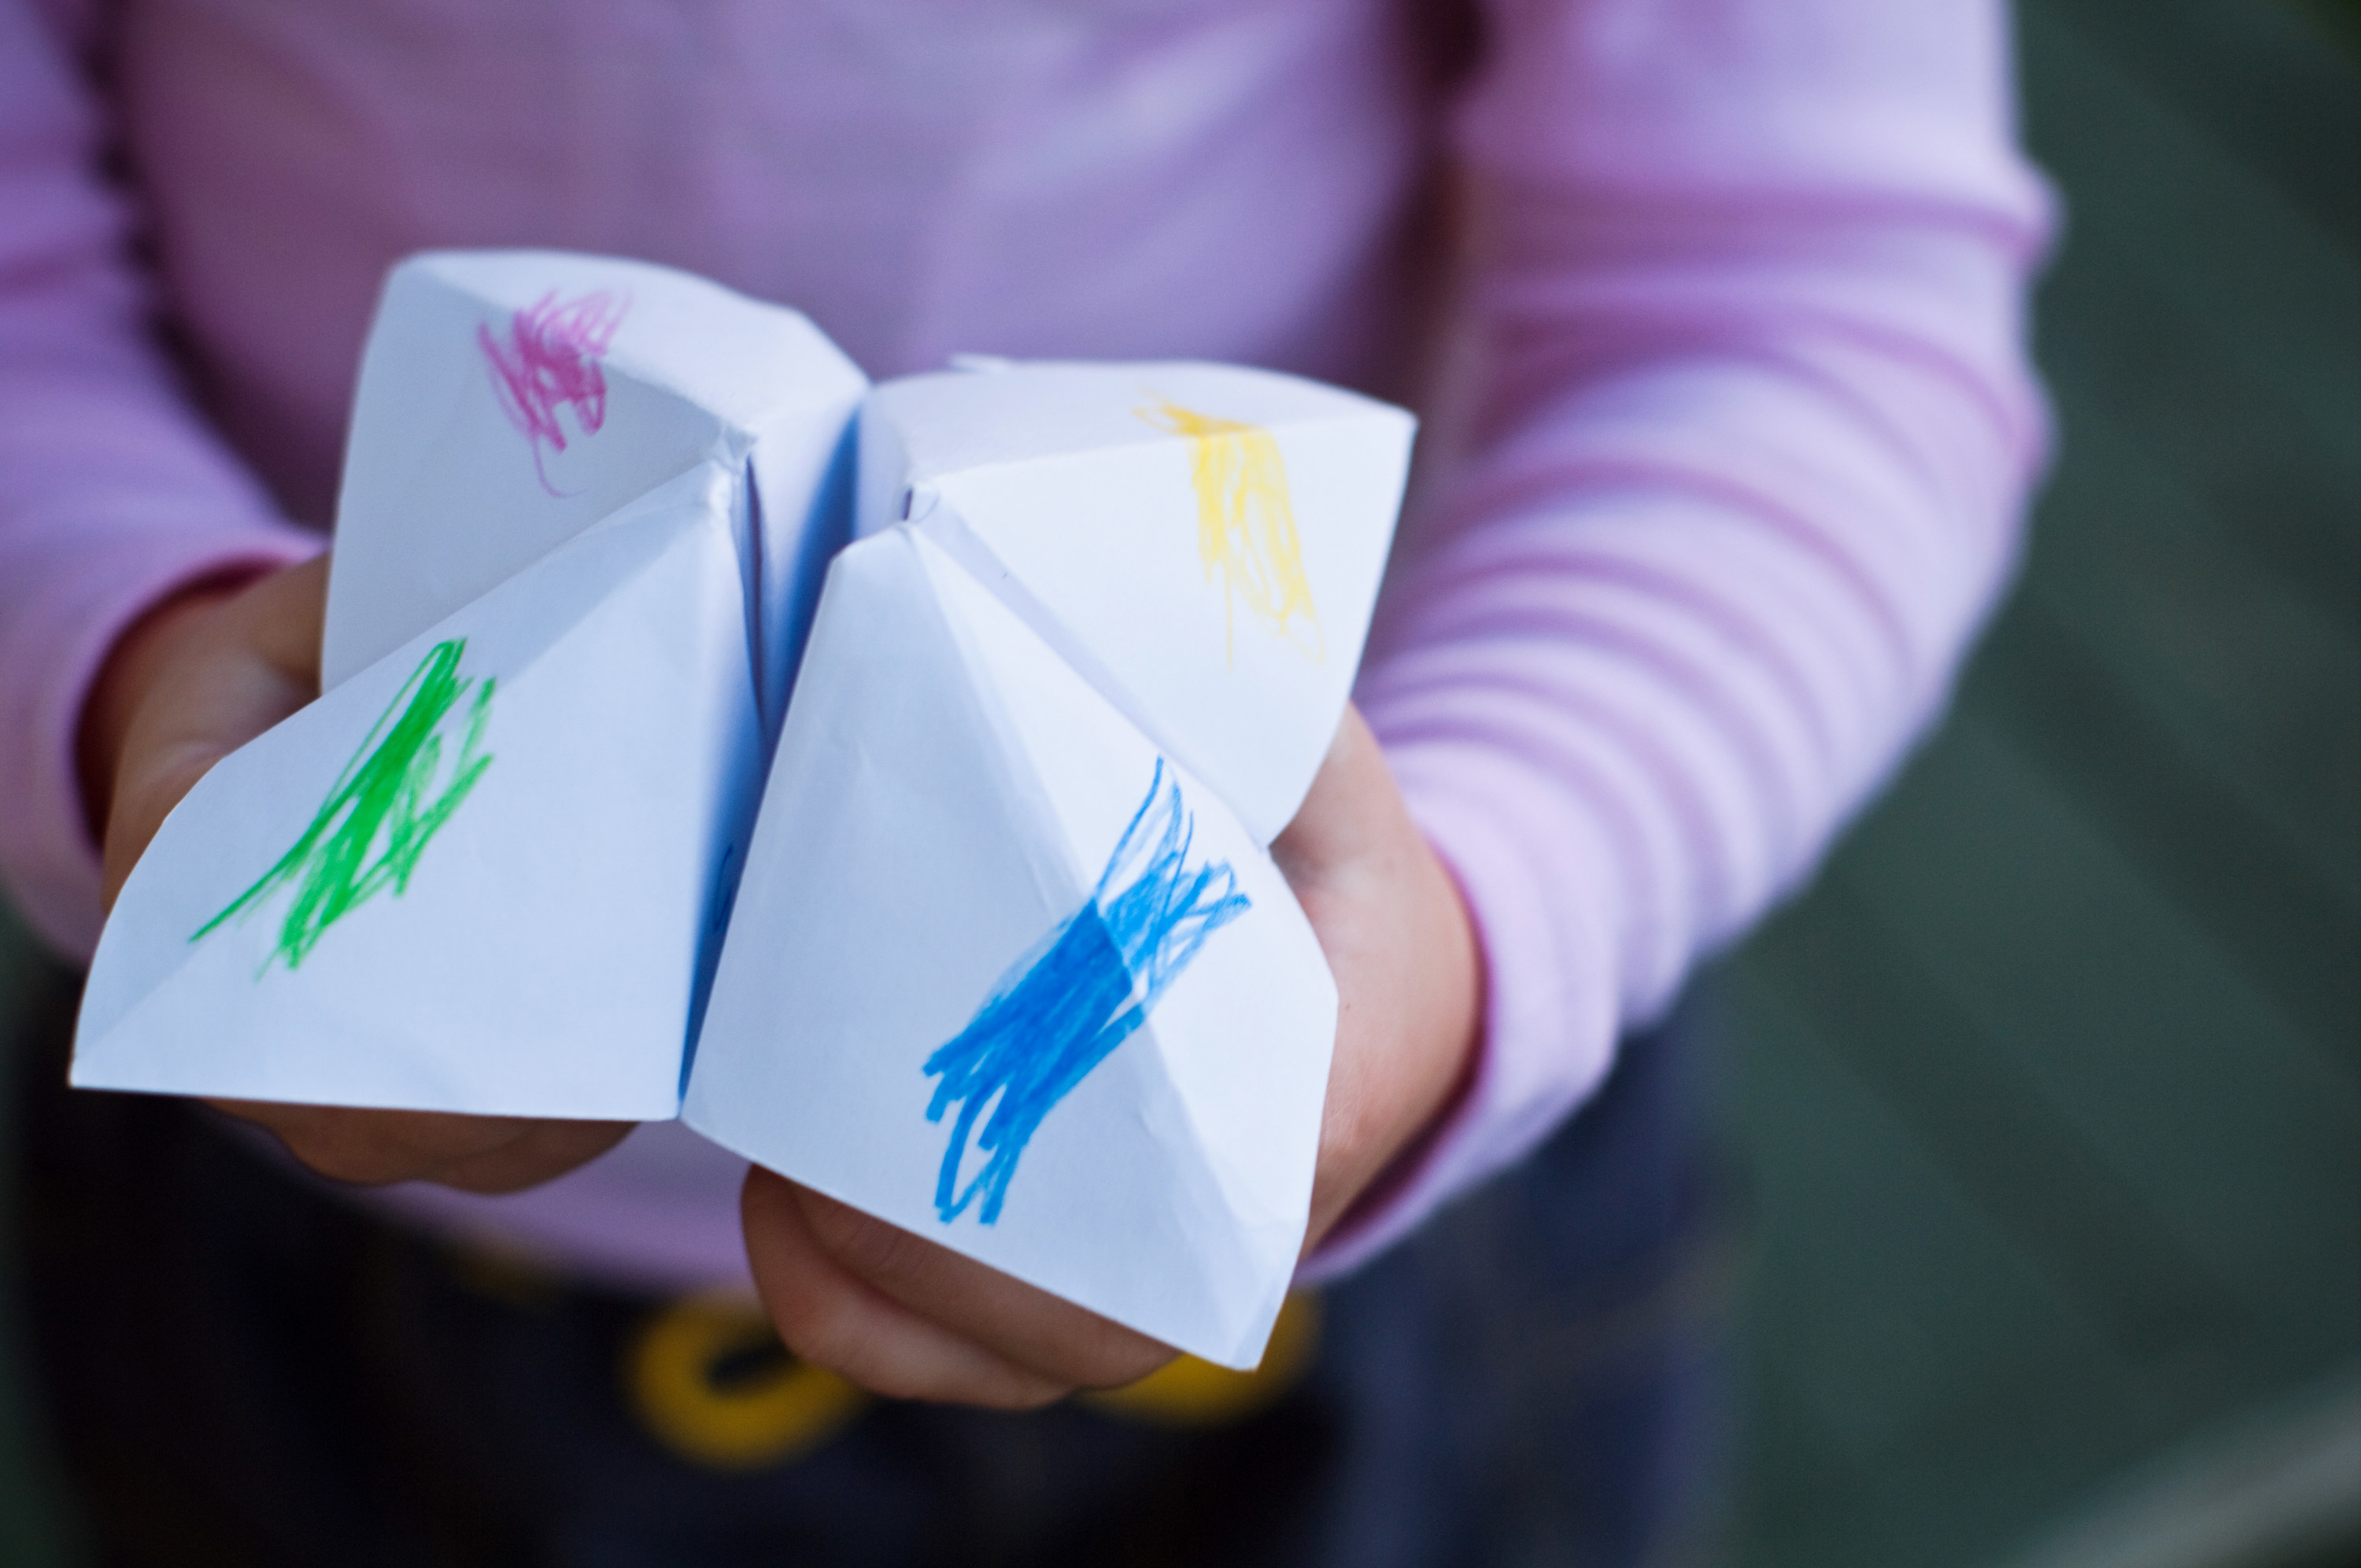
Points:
[(240, 1368)]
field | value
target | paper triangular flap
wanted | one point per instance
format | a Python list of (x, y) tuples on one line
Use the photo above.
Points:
[(891, 832), (505, 912), (1231, 1061), (919, 429), (508, 399), (1204, 543), (1102, 779), (911, 858)]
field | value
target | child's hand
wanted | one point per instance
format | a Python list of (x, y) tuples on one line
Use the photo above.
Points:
[(190, 683), (905, 1317)]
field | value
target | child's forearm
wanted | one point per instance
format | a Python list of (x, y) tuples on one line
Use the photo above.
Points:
[(114, 495), (1750, 460)]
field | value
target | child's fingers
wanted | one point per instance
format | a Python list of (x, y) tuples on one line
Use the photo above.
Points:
[(1020, 1322), (1349, 811), (370, 1147), (191, 685), (833, 1318), (478, 1154), (542, 1151), (1407, 969), (286, 612)]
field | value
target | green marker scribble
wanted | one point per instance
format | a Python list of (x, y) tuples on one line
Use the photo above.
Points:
[(381, 812)]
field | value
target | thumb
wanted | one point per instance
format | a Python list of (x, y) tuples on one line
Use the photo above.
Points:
[(1351, 810), (191, 684)]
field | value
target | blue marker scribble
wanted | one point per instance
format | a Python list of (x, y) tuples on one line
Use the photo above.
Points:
[(1078, 994)]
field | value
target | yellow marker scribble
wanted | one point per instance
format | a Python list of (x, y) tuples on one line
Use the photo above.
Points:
[(1246, 526)]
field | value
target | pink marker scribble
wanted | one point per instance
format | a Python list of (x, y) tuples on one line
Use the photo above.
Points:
[(551, 362)]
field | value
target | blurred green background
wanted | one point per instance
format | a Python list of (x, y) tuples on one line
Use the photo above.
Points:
[(2051, 1088), (2049, 1096)]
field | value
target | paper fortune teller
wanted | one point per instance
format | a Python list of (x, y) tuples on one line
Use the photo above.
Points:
[(1010, 967), (488, 870)]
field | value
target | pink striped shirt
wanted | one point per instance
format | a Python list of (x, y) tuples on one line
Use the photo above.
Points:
[(1726, 454)]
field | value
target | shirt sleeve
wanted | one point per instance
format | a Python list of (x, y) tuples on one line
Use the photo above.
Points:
[(114, 493), (1746, 437)]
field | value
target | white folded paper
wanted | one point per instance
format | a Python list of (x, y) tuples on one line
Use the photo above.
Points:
[(1009, 965), (1204, 541), (487, 871), (478, 875), (508, 399), (1010, 968)]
